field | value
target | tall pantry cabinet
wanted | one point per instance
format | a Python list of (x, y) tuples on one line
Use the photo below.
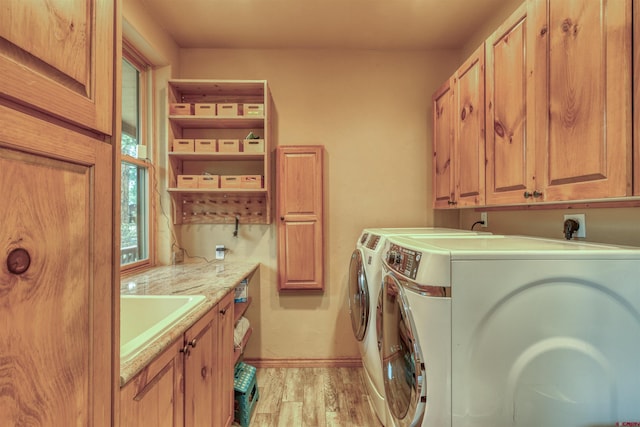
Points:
[(56, 283), (300, 208)]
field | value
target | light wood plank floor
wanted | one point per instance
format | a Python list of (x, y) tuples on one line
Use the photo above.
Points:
[(312, 397)]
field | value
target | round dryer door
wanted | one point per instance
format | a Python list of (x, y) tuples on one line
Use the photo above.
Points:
[(358, 295), (402, 368)]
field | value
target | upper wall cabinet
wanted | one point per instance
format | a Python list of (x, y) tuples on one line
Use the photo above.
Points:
[(582, 72), (458, 151), (509, 104), (59, 59)]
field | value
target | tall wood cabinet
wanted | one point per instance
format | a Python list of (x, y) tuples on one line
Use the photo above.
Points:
[(636, 97), (459, 148), (299, 180), (56, 283)]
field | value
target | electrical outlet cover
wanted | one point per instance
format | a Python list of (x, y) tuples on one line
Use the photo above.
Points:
[(580, 218)]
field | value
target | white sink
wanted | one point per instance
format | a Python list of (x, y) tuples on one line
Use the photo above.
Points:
[(145, 317)]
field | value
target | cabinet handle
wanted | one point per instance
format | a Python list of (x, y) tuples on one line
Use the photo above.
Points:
[(223, 311), (527, 194), (186, 349), (537, 194), (451, 202)]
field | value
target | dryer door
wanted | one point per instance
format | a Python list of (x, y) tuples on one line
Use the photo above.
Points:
[(358, 295), (402, 366)]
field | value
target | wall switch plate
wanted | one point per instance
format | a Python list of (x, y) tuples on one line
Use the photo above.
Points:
[(220, 250)]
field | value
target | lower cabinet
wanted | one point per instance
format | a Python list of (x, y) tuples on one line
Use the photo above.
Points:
[(191, 383)]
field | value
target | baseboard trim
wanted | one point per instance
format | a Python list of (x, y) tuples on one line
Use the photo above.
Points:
[(342, 362)]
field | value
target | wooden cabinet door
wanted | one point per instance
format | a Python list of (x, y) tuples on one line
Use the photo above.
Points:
[(583, 90), (199, 372), (299, 178), (509, 106), (443, 143), (57, 56), (469, 153), (154, 396), (223, 404), (636, 98), (56, 288)]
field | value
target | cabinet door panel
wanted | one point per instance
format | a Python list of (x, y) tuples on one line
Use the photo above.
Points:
[(443, 140), (300, 208), (57, 56), (199, 374), (153, 397), (55, 292), (470, 151), (225, 393), (588, 143), (509, 105)]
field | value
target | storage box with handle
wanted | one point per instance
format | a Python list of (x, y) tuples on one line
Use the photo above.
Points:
[(253, 110), (230, 181), (183, 145), (205, 109), (205, 146), (228, 145), (187, 181), (253, 145), (227, 110), (178, 109), (208, 181)]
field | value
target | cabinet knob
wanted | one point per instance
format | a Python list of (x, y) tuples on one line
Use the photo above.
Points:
[(527, 194), (451, 202), (537, 194), (18, 261), (281, 218), (223, 311)]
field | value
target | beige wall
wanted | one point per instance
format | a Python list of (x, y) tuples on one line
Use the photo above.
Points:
[(371, 111)]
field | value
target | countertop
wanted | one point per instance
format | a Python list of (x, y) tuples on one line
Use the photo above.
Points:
[(213, 280)]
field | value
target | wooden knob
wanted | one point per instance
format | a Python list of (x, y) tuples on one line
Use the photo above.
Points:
[(18, 261)]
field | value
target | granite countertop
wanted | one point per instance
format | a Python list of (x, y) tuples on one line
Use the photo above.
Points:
[(213, 280)]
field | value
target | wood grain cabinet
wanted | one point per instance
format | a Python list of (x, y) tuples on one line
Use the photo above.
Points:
[(509, 107), (299, 180), (191, 383), (459, 146), (582, 73), (636, 97), (59, 59), (154, 397), (57, 366)]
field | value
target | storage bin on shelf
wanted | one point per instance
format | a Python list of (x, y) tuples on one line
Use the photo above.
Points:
[(253, 145), (253, 110), (205, 109), (183, 145), (227, 110), (208, 181), (205, 146), (180, 109), (246, 393), (229, 145), (187, 181)]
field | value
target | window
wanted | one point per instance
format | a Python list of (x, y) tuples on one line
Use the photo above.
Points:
[(135, 185)]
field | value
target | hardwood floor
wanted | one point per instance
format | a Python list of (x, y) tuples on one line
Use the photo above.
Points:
[(312, 397)]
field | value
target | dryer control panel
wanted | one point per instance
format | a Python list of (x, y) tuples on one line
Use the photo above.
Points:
[(404, 261)]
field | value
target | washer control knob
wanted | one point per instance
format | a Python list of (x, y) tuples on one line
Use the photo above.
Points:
[(391, 257)]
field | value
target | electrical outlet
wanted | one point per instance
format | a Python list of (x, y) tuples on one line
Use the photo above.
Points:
[(220, 250), (178, 256), (580, 219), (484, 218)]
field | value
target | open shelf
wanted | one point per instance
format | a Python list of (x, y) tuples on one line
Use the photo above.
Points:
[(215, 156), (237, 351), (216, 122)]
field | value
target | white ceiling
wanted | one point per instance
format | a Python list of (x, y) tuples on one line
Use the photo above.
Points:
[(359, 24)]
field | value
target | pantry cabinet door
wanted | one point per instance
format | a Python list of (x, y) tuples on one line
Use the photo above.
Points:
[(636, 98), (57, 56), (443, 143), (299, 180), (470, 140), (56, 288), (510, 138), (583, 83)]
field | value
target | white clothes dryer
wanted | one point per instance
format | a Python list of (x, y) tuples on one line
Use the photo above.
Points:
[(365, 276), (510, 331)]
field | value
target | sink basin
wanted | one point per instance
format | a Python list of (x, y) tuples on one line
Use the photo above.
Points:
[(145, 317)]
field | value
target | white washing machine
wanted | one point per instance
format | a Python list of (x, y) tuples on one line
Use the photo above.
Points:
[(365, 275), (510, 331)]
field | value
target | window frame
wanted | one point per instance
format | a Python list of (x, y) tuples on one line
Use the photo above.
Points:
[(145, 70)]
